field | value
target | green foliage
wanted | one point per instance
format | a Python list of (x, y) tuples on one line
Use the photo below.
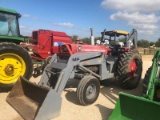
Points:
[(143, 43), (28, 39), (86, 40), (122, 40), (97, 38), (74, 37), (158, 43), (151, 43), (140, 43)]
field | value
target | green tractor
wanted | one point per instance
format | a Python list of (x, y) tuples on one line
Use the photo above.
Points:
[(130, 107), (14, 60)]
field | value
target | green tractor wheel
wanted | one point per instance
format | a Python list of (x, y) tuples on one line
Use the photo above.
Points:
[(14, 62)]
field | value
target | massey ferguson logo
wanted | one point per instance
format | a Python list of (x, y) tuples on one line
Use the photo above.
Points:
[(75, 59)]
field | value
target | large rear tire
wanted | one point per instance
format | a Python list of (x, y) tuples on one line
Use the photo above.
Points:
[(14, 62), (129, 69), (88, 90)]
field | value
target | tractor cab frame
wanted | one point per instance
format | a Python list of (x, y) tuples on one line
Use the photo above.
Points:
[(9, 30), (112, 38)]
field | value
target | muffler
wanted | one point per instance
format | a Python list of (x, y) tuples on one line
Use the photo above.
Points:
[(34, 102)]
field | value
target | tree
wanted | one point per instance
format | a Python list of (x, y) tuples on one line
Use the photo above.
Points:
[(143, 43), (74, 37), (27, 39), (86, 40), (151, 43), (158, 43), (122, 39)]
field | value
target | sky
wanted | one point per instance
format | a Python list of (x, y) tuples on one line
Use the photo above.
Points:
[(76, 17)]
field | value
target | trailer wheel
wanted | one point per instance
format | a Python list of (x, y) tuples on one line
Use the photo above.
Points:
[(47, 60), (88, 90), (14, 62), (129, 69)]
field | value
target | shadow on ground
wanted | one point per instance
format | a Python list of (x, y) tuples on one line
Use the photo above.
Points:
[(3, 89), (105, 112), (110, 90)]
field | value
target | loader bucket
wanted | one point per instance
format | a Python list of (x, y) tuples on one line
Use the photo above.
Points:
[(130, 107), (32, 101)]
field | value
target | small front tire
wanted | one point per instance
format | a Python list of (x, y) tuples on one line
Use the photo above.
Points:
[(88, 90)]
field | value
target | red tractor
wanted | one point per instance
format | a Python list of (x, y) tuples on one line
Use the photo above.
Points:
[(123, 61), (89, 64)]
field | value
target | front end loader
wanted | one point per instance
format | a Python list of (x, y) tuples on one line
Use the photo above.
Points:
[(43, 101), (130, 107)]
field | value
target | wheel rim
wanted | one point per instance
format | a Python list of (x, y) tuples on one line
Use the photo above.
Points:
[(91, 91), (11, 67), (133, 67)]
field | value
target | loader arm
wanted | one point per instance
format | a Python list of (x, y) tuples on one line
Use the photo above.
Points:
[(43, 100), (66, 69), (154, 78), (102, 38), (133, 37)]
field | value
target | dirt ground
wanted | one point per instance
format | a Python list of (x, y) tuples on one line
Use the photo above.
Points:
[(71, 110)]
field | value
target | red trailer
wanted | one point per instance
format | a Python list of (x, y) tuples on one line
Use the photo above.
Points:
[(44, 44)]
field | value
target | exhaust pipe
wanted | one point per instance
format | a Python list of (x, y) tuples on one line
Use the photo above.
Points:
[(92, 37)]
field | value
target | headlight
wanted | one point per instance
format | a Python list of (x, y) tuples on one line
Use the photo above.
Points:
[(121, 50)]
